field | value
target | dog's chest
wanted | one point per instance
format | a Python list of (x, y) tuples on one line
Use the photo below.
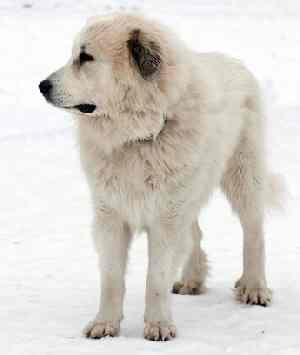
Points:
[(125, 181), (129, 171)]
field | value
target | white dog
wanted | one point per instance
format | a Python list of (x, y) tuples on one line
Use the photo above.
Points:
[(160, 127)]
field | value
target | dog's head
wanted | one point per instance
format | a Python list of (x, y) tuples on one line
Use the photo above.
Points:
[(120, 74)]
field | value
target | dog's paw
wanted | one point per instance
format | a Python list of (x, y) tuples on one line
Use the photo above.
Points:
[(188, 288), (99, 329), (255, 295), (159, 332)]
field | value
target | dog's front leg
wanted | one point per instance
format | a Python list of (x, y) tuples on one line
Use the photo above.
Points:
[(112, 238), (164, 245)]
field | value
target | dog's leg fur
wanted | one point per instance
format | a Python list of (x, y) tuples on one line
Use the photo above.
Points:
[(166, 244), (112, 238), (195, 270), (244, 185)]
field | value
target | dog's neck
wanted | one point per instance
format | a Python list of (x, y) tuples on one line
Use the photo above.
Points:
[(151, 137), (90, 128)]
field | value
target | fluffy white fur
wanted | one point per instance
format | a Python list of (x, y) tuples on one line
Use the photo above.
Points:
[(154, 150)]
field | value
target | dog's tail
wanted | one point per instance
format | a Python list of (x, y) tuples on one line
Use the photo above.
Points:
[(276, 193)]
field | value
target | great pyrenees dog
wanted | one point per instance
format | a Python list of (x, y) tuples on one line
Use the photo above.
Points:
[(160, 127)]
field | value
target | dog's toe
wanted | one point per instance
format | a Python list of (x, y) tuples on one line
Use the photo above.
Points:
[(260, 295), (188, 288), (156, 331), (97, 329)]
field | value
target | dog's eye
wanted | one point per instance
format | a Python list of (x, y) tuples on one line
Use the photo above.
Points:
[(85, 57)]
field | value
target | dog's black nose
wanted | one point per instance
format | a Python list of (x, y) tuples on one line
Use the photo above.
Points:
[(45, 87)]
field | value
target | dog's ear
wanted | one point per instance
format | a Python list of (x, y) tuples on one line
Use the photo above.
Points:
[(145, 56)]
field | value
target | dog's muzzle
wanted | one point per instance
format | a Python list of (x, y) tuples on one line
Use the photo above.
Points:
[(46, 88)]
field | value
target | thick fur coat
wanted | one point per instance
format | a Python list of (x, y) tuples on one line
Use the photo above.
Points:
[(160, 127)]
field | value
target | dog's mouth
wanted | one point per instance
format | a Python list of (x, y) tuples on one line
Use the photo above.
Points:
[(82, 108), (85, 108)]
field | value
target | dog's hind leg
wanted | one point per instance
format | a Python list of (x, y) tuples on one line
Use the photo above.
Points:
[(244, 184), (194, 272)]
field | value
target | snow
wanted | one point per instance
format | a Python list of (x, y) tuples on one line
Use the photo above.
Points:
[(48, 275)]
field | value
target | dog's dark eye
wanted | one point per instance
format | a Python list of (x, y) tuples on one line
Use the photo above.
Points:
[(85, 57)]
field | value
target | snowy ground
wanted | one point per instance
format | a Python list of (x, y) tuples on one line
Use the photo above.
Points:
[(48, 274)]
